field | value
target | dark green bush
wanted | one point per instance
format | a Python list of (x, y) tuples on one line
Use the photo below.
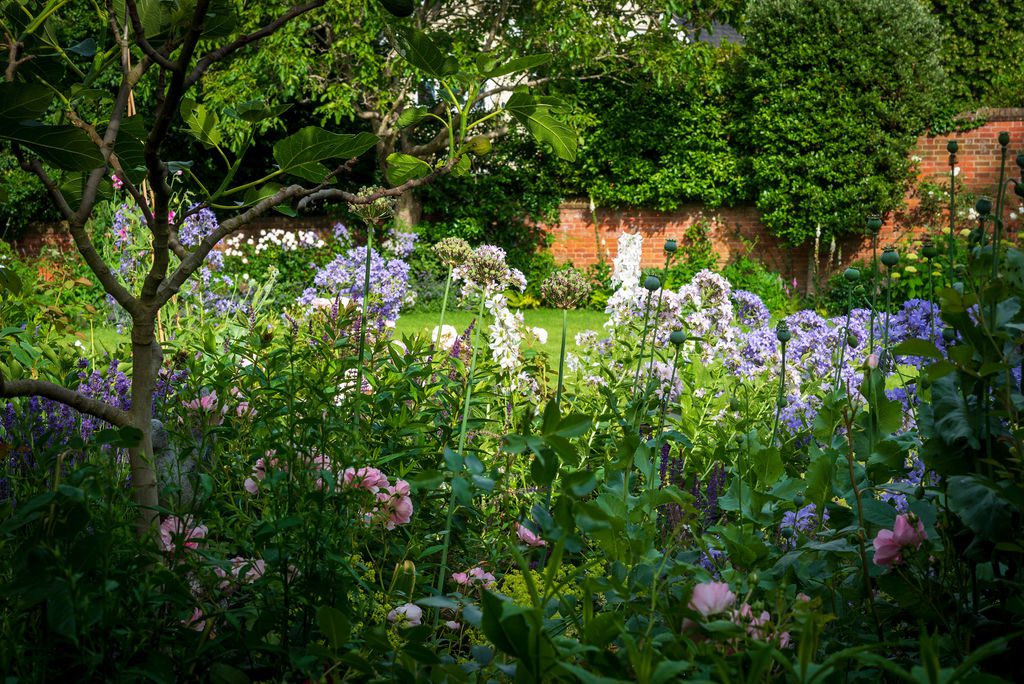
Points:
[(834, 95)]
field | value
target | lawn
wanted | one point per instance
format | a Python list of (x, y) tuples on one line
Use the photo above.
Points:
[(107, 339), (549, 319)]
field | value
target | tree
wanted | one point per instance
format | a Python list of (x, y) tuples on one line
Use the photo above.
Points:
[(350, 77), (836, 92), (54, 111)]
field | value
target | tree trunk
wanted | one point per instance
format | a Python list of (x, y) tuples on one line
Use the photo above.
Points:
[(147, 358), (409, 210)]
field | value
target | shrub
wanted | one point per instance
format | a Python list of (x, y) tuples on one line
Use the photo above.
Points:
[(837, 92)]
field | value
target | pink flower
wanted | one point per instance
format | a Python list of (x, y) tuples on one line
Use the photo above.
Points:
[(529, 537), (872, 361), (366, 478), (711, 598), (406, 615), (887, 549), (396, 506), (196, 620), (118, 184), (460, 578), (909, 531), (475, 576), (248, 570), (173, 529), (453, 625), (784, 640), (803, 597), (170, 217), (251, 486), (889, 544)]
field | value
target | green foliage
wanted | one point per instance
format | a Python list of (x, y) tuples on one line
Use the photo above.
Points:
[(747, 273), (24, 200), (696, 253), (658, 144), (836, 93), (981, 48)]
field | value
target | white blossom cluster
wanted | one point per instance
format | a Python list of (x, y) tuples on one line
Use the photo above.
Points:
[(238, 245), (506, 333), (627, 262)]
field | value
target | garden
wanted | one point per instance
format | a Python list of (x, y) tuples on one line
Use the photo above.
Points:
[(409, 443)]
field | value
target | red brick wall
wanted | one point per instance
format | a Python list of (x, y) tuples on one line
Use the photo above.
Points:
[(977, 157)]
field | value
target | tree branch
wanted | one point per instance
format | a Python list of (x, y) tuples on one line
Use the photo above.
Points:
[(194, 259), (334, 194), (269, 29), (13, 62), (76, 400), (140, 39)]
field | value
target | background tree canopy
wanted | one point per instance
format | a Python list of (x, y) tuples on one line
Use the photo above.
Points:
[(811, 118)]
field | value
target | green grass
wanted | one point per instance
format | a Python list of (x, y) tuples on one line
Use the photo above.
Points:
[(106, 338), (549, 319)]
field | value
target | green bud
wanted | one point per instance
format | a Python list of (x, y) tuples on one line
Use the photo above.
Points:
[(479, 145)]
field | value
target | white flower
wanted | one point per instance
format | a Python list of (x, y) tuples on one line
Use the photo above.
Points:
[(627, 261), (448, 335), (541, 334), (321, 303)]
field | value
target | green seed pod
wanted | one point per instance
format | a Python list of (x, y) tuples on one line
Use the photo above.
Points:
[(479, 145), (1004, 138), (951, 147), (677, 337), (788, 532), (874, 223), (983, 206), (890, 257), (782, 333), (671, 246), (852, 275), (929, 250), (798, 500), (651, 283), (851, 340)]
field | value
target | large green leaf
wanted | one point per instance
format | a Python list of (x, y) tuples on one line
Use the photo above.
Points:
[(202, 123), (298, 153), (20, 101), (412, 116), (419, 50), (64, 147), (980, 504), (519, 64), (403, 167), (256, 110), (535, 115)]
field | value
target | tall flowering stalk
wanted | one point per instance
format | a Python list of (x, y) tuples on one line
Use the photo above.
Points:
[(874, 224), (374, 214), (484, 274), (783, 335), (651, 283), (453, 252), (890, 257), (951, 147), (564, 290), (852, 275)]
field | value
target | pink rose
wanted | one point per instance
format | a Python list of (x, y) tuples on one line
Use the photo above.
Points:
[(887, 549), (397, 507), (711, 598), (889, 544), (529, 537), (407, 615), (909, 531)]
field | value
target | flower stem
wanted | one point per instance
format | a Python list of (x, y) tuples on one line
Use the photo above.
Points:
[(444, 306), (561, 359), (443, 568), (643, 341), (362, 323)]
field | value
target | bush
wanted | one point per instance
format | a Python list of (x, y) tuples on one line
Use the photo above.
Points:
[(746, 273), (837, 92)]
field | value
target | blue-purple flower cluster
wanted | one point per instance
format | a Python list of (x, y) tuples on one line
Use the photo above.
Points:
[(389, 283)]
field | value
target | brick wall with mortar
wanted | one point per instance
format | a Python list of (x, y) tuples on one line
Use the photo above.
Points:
[(734, 230)]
